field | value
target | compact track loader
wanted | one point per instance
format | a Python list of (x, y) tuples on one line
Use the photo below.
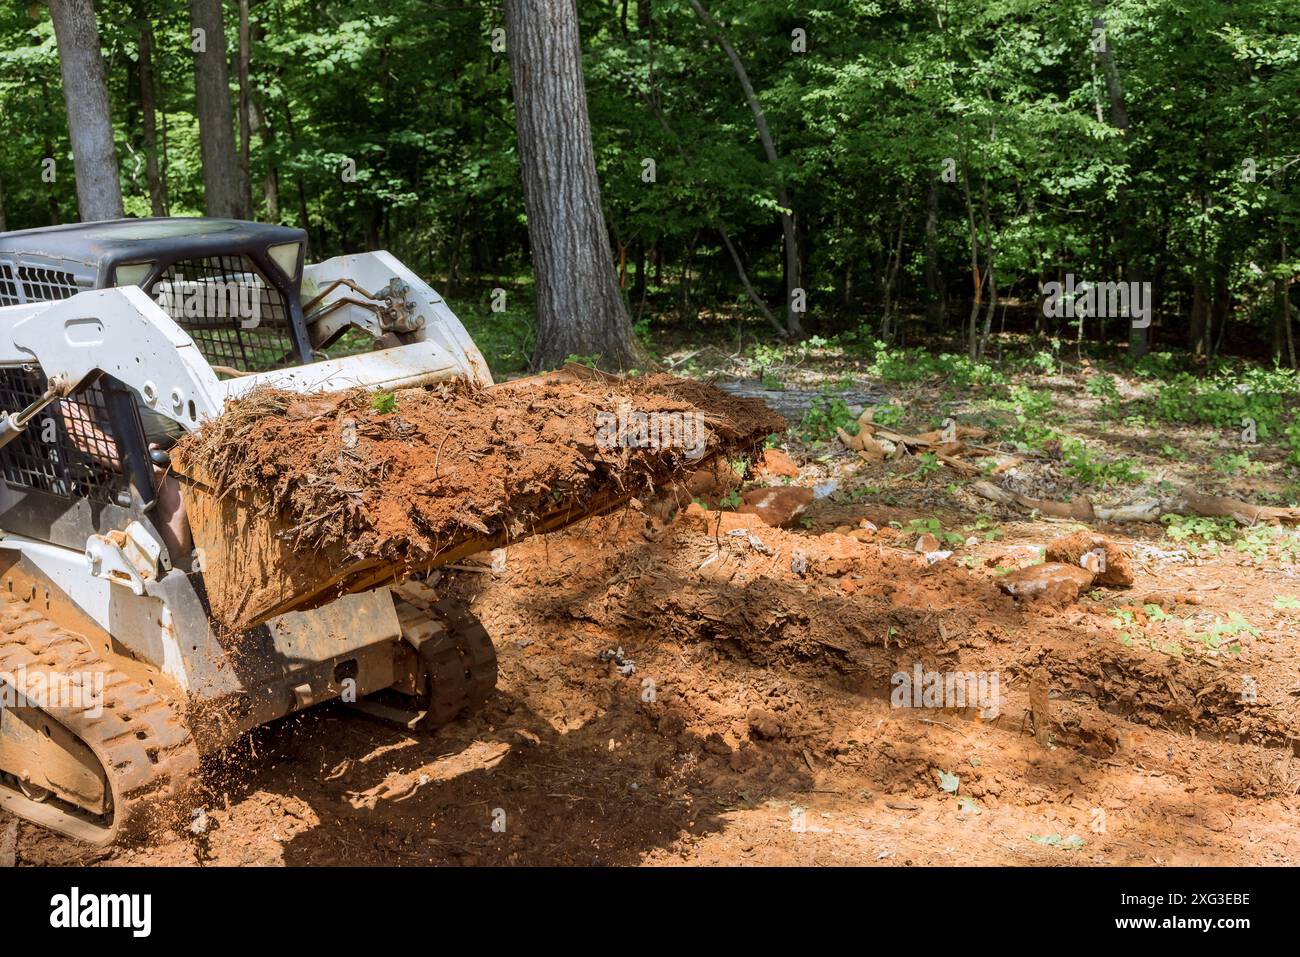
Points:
[(115, 339)]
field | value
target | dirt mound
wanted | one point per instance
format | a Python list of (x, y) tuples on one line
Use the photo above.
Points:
[(301, 488)]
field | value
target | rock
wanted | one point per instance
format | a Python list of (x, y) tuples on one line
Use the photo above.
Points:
[(1014, 555), (671, 725), (763, 725), (742, 760), (1111, 563), (928, 547), (1054, 583), (777, 506), (715, 521), (778, 464), (713, 480), (714, 744)]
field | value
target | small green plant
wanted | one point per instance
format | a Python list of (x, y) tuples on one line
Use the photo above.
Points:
[(986, 528), (927, 463), (1214, 637), (825, 415), (384, 403), (1237, 462), (887, 414), (1255, 541), (1081, 464), (768, 355), (1195, 529), (1104, 388), (932, 526)]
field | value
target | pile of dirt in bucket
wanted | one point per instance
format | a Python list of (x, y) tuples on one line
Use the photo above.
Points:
[(296, 498)]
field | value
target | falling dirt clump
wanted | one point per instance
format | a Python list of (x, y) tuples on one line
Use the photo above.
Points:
[(1110, 562), (393, 481)]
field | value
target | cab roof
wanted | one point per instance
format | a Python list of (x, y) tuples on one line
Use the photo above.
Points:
[(113, 241)]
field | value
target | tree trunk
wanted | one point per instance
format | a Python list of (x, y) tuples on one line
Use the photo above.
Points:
[(223, 193), (1199, 340), (245, 115), (754, 297), (148, 121), (580, 310), (260, 125), (793, 319), (933, 282), (1220, 308), (90, 121), (1139, 337)]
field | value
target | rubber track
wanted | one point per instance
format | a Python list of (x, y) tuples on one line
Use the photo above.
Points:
[(460, 660), (140, 740)]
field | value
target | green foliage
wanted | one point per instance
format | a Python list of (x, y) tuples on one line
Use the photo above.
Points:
[(932, 526), (1196, 530), (887, 414), (1230, 401), (927, 463), (826, 414), (384, 403), (1104, 388), (918, 365), (1081, 464)]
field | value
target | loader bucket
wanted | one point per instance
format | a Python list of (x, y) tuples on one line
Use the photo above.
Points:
[(250, 543)]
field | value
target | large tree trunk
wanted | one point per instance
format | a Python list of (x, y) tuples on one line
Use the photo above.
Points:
[(90, 122), (1139, 337), (245, 118), (148, 121), (580, 310), (223, 192), (793, 318)]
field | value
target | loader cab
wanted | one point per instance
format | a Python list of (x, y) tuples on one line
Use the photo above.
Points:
[(233, 286)]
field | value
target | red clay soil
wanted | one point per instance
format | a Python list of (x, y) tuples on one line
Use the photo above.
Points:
[(759, 723)]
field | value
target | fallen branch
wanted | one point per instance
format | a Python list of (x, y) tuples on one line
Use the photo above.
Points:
[(1147, 510)]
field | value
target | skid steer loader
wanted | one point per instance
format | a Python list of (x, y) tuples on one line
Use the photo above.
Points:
[(116, 338)]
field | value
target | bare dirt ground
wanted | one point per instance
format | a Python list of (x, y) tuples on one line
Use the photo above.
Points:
[(757, 725)]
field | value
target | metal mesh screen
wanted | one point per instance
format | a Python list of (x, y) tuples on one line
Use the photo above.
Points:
[(236, 318), (68, 449), (8, 290), (43, 285)]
